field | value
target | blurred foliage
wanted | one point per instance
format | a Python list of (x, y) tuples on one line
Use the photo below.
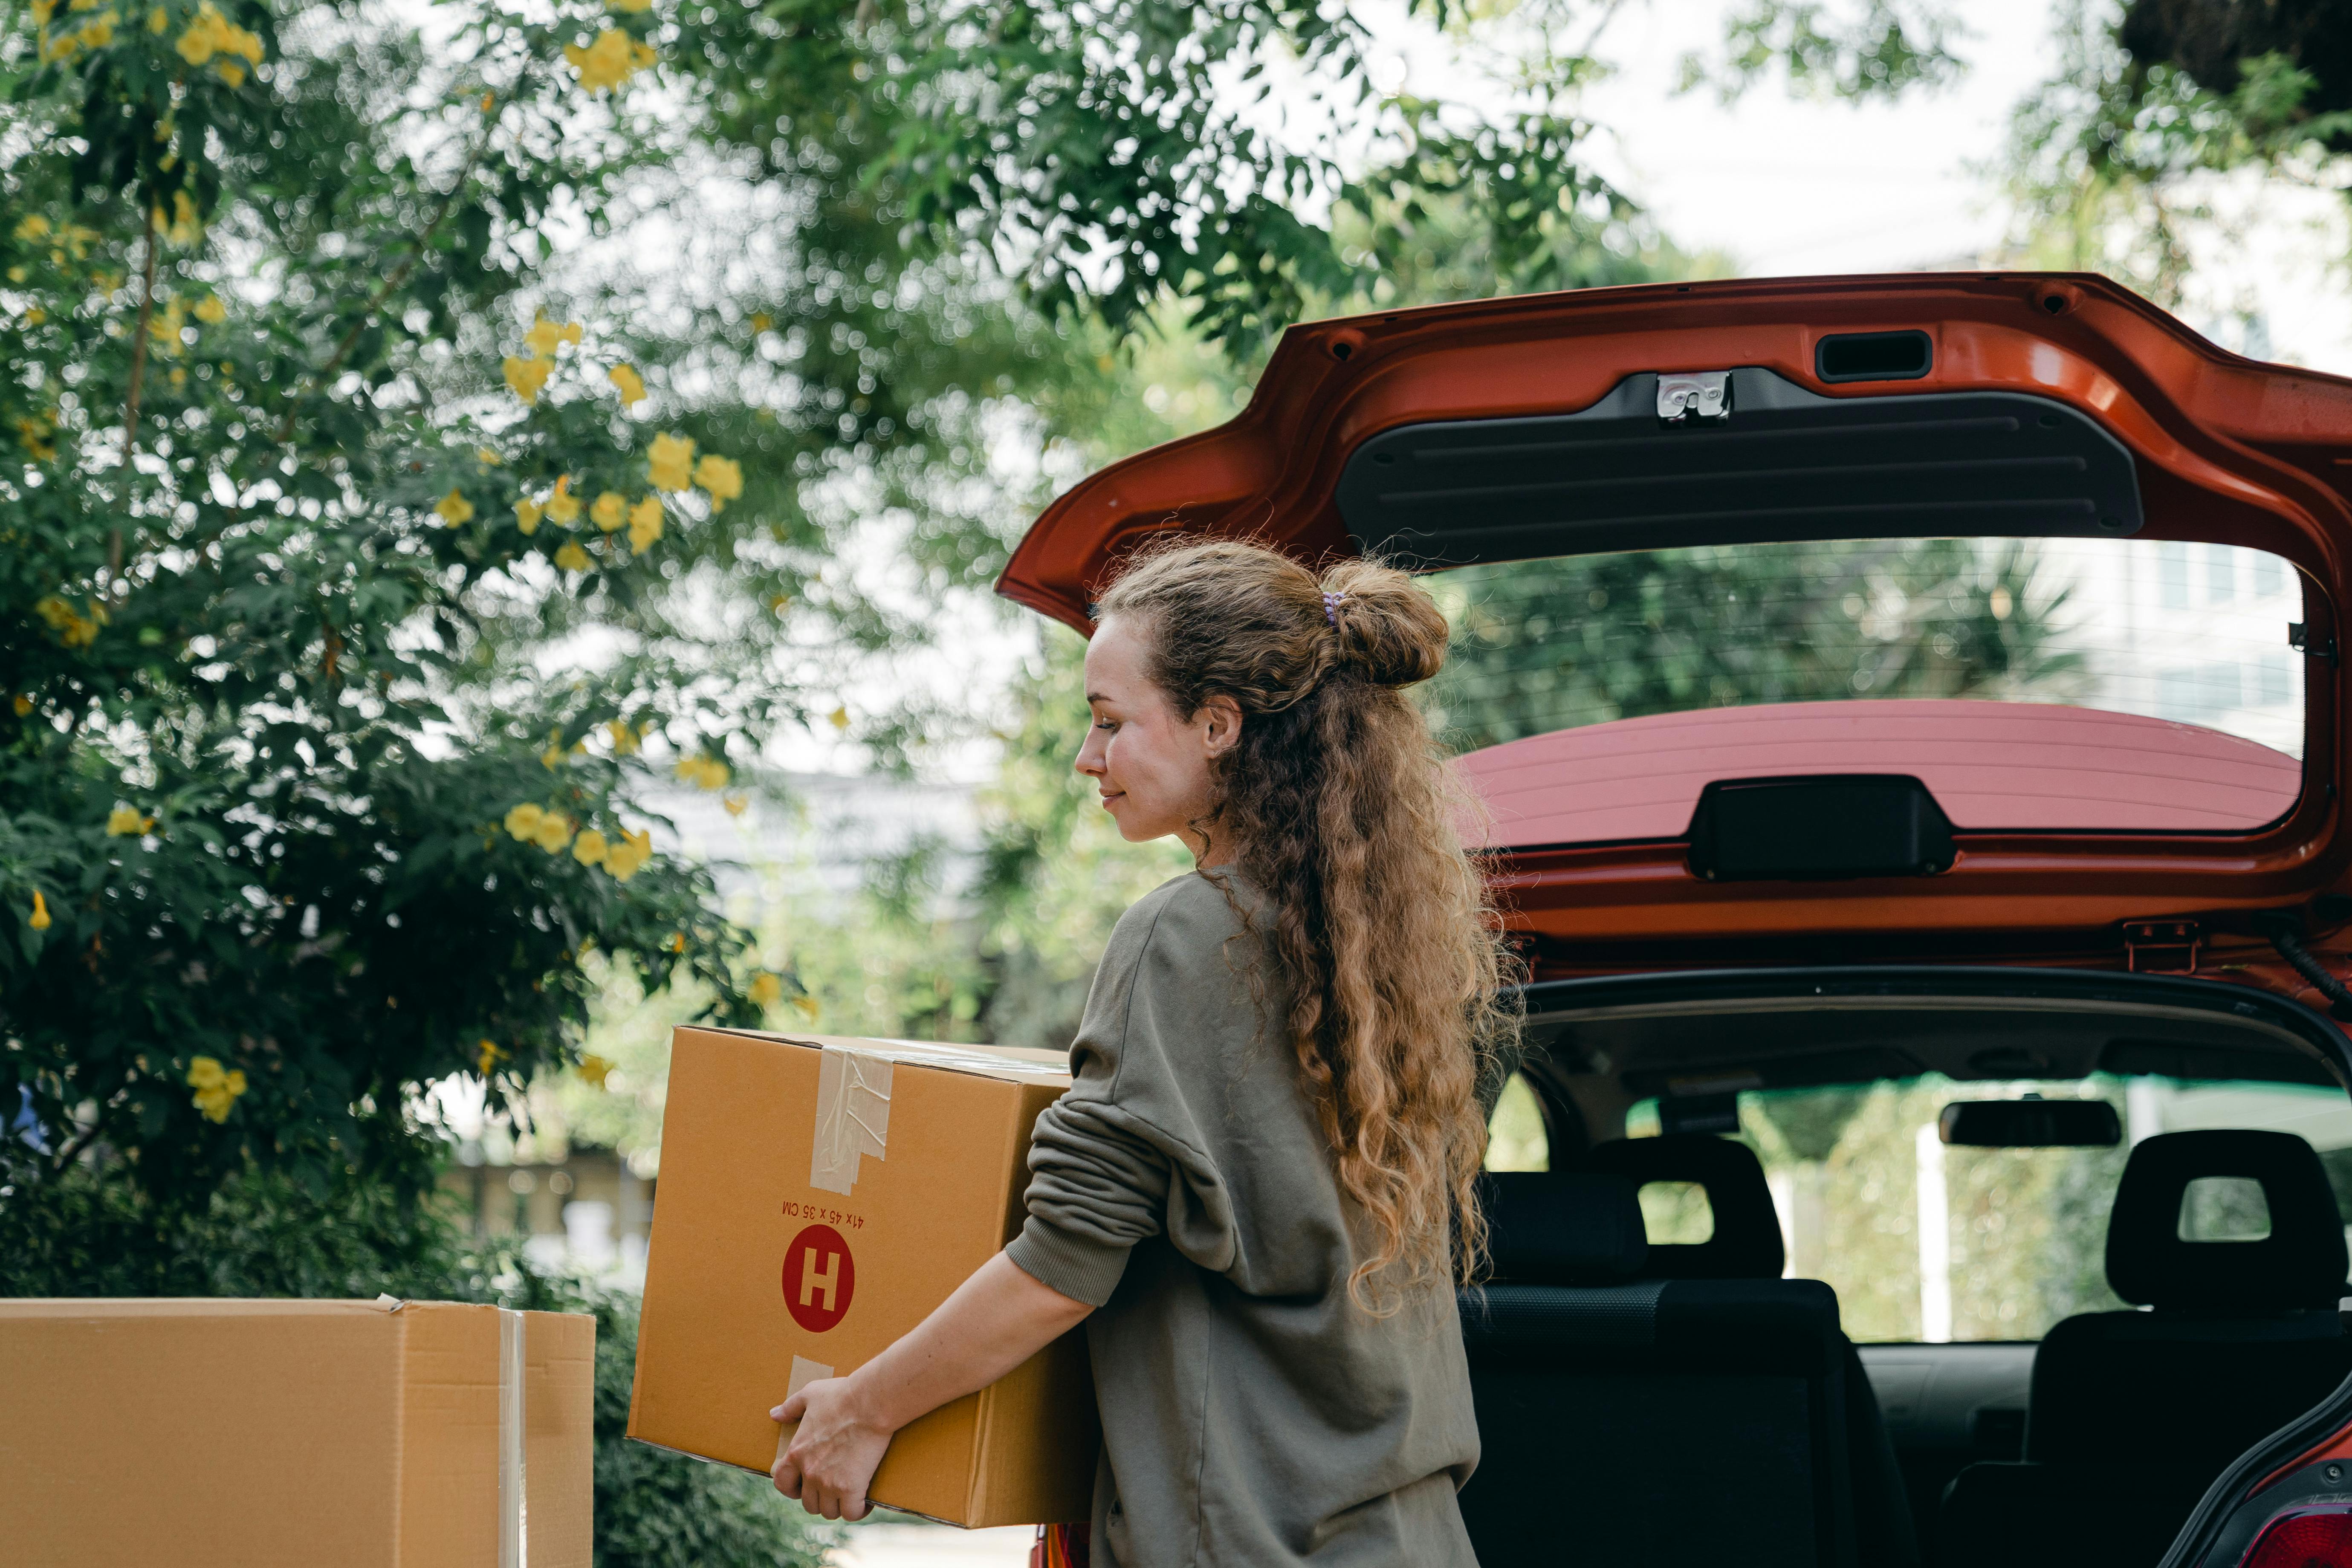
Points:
[(2110, 164), (299, 487), (1548, 645), (1851, 51), (261, 1234), (1116, 156)]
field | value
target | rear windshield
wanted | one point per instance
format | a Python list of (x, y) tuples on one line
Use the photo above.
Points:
[(2159, 635)]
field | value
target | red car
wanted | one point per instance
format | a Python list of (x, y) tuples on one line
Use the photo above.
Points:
[(1909, 717)]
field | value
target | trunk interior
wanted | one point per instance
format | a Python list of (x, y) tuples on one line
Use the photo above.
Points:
[(2018, 1324)]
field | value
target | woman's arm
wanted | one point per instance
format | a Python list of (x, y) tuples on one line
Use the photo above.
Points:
[(995, 1320)]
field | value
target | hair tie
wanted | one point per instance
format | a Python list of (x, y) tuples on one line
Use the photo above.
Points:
[(1332, 603)]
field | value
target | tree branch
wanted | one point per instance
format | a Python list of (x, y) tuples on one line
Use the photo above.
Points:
[(383, 292), (130, 401)]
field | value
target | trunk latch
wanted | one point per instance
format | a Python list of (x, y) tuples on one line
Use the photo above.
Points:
[(2160, 947), (1693, 394)]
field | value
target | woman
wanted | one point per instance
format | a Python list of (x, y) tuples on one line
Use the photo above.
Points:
[(1257, 1194)]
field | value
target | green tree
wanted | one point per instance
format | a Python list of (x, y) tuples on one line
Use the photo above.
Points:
[(1549, 645)]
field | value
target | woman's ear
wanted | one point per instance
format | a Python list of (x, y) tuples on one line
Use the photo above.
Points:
[(1224, 732)]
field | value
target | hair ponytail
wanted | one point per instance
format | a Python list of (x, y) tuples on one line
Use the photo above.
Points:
[(1342, 811)]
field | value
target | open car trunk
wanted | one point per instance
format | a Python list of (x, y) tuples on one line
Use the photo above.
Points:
[(1766, 1051), (1895, 688)]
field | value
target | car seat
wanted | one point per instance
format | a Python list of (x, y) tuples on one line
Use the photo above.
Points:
[(1678, 1424), (1746, 1244), (2140, 1411)]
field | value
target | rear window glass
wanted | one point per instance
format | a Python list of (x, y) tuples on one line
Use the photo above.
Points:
[(1924, 1241), (2183, 647)]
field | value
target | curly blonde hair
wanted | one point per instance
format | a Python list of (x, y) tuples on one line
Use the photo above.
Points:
[(1341, 811)]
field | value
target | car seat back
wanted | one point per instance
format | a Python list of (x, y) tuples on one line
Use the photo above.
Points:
[(1746, 1244), (2241, 1336), (1673, 1422)]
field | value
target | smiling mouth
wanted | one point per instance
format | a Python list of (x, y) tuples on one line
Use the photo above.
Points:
[(1111, 795)]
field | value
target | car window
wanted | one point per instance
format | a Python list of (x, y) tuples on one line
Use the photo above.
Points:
[(1515, 1136), (1928, 1241), (2194, 634)]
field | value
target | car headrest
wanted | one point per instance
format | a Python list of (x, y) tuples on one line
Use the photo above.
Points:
[(1746, 1240), (1546, 1228), (2300, 1264)]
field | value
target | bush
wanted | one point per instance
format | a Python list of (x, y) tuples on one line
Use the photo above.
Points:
[(266, 1234)]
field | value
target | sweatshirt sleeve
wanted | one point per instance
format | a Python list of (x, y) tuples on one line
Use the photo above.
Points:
[(1116, 1160)]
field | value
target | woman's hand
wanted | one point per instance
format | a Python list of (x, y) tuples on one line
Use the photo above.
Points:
[(831, 1458), (995, 1320)]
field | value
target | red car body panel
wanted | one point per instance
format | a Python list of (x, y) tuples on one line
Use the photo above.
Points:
[(2226, 449)]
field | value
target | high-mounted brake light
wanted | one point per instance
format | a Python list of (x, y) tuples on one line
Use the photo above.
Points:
[(2322, 1539)]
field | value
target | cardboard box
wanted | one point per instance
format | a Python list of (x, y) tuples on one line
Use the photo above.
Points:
[(258, 1434), (819, 1197)]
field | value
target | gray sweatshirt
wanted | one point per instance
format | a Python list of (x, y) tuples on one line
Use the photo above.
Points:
[(1252, 1413)]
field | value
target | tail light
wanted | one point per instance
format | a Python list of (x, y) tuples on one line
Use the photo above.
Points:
[(2304, 1540)]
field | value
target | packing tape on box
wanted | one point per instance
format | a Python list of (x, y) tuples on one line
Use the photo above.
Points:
[(805, 1372), (514, 1504), (853, 1116)]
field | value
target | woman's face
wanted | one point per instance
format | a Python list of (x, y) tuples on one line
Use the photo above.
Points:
[(1151, 765)]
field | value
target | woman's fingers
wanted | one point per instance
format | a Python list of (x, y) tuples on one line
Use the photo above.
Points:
[(787, 1476), (792, 1409)]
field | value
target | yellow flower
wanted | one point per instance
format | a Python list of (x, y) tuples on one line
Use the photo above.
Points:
[(210, 310), (157, 21), (838, 718), (705, 773), (526, 376), (35, 316), (671, 462), (554, 831), (735, 802), (35, 435), (487, 457), (22, 705), (571, 558), (488, 1056), (40, 920), (230, 72), (36, 226), (632, 6), (632, 385), (588, 849), (216, 1088), (187, 226), (124, 822), (99, 31), (562, 506), (761, 321), (723, 477), (644, 524), (608, 62), (73, 630), (523, 821), (677, 942), (454, 509), (527, 515), (607, 511), (807, 1005), (766, 990), (545, 336), (596, 1070), (624, 740), (623, 859)]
